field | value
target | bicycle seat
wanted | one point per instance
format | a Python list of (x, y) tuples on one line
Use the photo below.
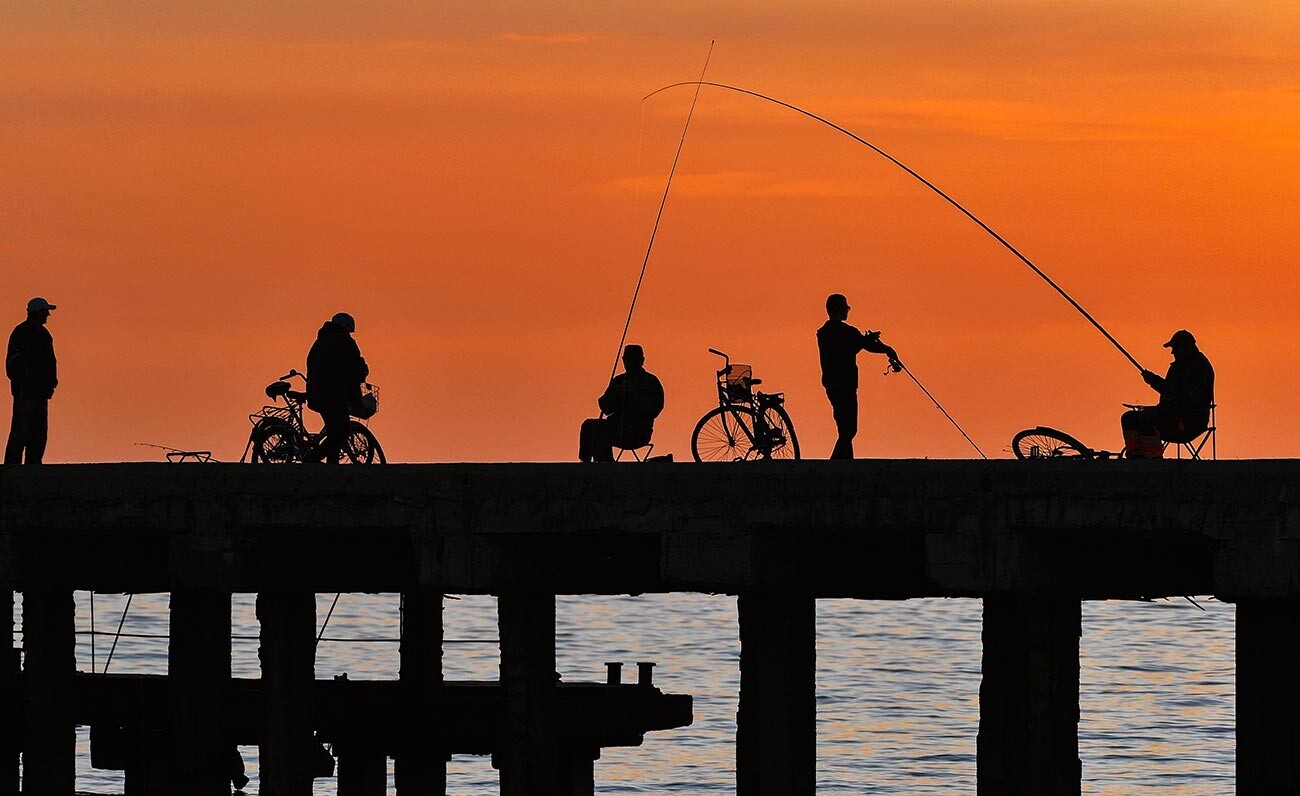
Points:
[(276, 389), (295, 395)]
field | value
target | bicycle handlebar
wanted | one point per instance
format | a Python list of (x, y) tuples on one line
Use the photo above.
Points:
[(292, 372)]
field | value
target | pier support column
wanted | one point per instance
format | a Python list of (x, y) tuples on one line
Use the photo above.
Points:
[(288, 655), (1268, 696), (11, 709), (529, 757), (776, 725), (421, 763), (198, 669), (362, 769), (49, 642), (1029, 697), (578, 771)]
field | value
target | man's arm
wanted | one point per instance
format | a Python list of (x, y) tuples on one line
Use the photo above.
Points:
[(609, 399), (871, 342), (657, 397), (1156, 383)]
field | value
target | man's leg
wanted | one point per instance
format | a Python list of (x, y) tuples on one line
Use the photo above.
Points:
[(19, 432), (844, 408), (1141, 437), (587, 439), (335, 431), (40, 430)]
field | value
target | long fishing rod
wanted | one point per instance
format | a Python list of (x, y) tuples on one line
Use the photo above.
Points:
[(660, 214), (939, 406), (924, 182)]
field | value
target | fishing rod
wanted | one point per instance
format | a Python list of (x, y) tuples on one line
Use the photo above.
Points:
[(939, 406), (924, 182), (660, 214)]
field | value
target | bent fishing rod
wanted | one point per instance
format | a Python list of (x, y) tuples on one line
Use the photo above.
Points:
[(939, 406), (923, 181)]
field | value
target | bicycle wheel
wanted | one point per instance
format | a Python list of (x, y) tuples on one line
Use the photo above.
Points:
[(779, 441), (275, 442), (725, 434), (1048, 443), (361, 447)]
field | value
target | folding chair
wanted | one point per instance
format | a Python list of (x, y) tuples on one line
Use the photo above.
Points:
[(640, 457), (1196, 444)]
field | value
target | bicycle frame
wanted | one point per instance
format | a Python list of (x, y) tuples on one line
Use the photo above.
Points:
[(751, 400)]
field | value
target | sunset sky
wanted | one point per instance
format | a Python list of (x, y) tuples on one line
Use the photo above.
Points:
[(198, 188)]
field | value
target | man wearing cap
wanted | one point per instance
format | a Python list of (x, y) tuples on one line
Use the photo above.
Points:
[(838, 345), (1186, 395), (631, 402), (33, 375), (335, 371)]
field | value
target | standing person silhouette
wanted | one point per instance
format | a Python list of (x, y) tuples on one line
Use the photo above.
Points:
[(631, 402), (33, 375), (335, 371), (838, 345)]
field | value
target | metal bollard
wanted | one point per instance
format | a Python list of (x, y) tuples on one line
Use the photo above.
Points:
[(645, 673), (614, 670)]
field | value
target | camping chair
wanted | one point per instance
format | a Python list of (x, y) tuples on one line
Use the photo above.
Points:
[(640, 457), (1195, 444)]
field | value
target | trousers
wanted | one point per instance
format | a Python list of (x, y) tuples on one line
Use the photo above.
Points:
[(337, 429), (844, 408), (598, 436), (28, 430)]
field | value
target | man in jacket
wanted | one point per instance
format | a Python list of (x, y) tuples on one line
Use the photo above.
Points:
[(1186, 395), (33, 375), (838, 345), (631, 402), (335, 371)]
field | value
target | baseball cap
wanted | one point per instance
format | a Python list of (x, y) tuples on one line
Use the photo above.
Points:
[(1180, 336), (37, 304)]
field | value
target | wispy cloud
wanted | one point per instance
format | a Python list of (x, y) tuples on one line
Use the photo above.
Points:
[(750, 184), (559, 37)]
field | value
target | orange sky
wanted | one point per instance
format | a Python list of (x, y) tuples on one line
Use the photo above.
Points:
[(198, 190)]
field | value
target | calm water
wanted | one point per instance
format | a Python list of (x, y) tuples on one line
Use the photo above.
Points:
[(898, 686)]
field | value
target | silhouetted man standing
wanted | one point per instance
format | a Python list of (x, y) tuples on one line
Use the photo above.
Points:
[(631, 403), (33, 375), (838, 344), (335, 371), (1186, 394)]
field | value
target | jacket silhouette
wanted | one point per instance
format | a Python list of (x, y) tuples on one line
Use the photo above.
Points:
[(838, 345), (30, 363), (335, 368)]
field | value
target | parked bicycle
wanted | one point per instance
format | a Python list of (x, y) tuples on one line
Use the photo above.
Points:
[(279, 435), (746, 425)]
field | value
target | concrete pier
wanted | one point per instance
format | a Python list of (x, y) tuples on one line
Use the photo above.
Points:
[(198, 667), (1031, 539)]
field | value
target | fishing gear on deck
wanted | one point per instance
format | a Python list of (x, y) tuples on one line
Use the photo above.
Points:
[(923, 181)]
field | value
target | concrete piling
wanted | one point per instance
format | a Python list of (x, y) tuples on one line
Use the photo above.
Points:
[(11, 700), (530, 755), (362, 769), (50, 661), (776, 725), (1028, 741), (421, 766), (198, 663), (288, 655), (1268, 696)]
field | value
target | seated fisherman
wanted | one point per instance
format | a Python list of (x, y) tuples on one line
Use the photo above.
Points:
[(630, 405), (1186, 394)]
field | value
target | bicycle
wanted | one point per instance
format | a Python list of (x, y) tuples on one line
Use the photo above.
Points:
[(279, 435), (1042, 442), (746, 425)]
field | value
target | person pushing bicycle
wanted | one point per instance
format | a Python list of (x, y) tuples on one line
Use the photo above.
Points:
[(838, 345), (335, 371)]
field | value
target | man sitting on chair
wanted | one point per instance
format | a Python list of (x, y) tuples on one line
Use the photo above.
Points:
[(630, 405), (1186, 395)]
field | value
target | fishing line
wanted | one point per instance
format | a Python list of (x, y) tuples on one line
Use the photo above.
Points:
[(939, 406), (659, 215), (924, 182)]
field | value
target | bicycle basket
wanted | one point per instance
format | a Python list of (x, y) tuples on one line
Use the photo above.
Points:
[(369, 403), (736, 382)]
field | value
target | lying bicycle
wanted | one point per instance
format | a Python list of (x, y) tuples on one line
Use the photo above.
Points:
[(1042, 442)]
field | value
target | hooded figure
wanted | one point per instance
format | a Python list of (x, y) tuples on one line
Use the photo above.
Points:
[(335, 371)]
